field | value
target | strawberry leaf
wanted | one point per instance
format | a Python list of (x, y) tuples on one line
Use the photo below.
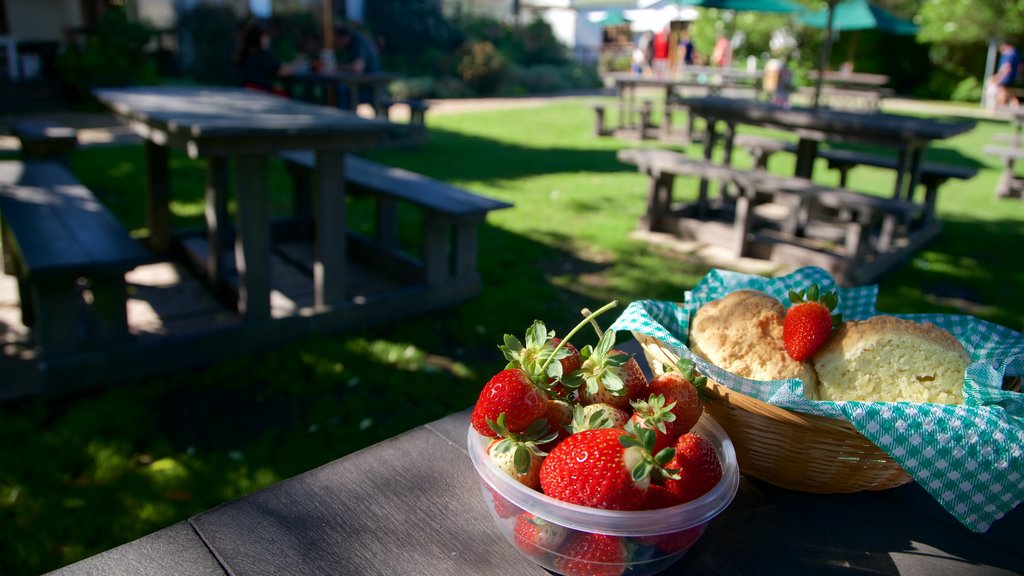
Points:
[(521, 459), (537, 336), (642, 470), (605, 345), (812, 293), (664, 456), (612, 383)]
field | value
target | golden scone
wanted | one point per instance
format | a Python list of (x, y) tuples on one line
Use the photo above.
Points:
[(889, 359), (742, 333)]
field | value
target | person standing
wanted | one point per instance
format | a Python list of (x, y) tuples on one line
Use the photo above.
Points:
[(721, 56), (687, 53), (660, 50), (1007, 72)]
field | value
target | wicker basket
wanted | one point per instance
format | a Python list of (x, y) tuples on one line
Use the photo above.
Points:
[(796, 451)]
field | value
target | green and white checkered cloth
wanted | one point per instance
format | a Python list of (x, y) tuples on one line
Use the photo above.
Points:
[(969, 457)]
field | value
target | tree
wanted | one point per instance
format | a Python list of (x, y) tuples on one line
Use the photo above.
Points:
[(970, 22)]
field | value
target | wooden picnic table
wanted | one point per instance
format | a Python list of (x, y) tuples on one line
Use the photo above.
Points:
[(911, 135), (842, 79), (301, 86), (247, 127), (711, 79), (413, 505)]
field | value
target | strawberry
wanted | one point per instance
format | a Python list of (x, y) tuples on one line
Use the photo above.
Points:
[(660, 497), (533, 357), (538, 537), (673, 541), (511, 392), (655, 415), (502, 506), (608, 376), (697, 464), (682, 390), (594, 416), (809, 322), (586, 554), (605, 468), (518, 455), (559, 415)]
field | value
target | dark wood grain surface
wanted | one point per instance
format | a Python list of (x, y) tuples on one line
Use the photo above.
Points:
[(413, 505), (173, 551), (830, 123), (409, 505)]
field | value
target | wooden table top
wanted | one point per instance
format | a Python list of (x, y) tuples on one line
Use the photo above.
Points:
[(413, 505), (850, 78), (822, 123), (203, 119)]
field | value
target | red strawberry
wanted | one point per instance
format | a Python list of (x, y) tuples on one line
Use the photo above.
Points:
[(518, 455), (608, 376), (660, 497), (538, 537), (655, 415), (502, 506), (586, 554), (682, 390), (809, 322), (605, 468), (697, 465), (674, 541), (510, 392)]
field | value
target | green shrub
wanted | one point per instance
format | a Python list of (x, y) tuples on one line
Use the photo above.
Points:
[(113, 55), (415, 34), (528, 45), (449, 87), (968, 90), (481, 67), (412, 87)]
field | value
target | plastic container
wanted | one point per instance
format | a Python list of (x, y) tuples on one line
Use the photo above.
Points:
[(651, 540)]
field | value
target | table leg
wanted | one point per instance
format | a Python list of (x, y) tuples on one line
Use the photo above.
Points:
[(217, 227), (329, 269), (710, 130), (806, 154), (252, 244), (910, 160), (622, 106), (158, 197), (353, 94)]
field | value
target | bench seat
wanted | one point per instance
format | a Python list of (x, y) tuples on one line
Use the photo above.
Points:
[(933, 174), (863, 232), (1010, 185), (44, 140), (451, 215), (59, 240)]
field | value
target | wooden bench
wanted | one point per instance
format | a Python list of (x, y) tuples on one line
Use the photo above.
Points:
[(43, 140), (762, 147), (933, 175), (856, 236), (70, 256), (601, 121), (1010, 185), (451, 215), (416, 130)]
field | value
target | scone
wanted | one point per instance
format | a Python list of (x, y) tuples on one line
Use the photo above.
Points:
[(889, 359), (742, 333)]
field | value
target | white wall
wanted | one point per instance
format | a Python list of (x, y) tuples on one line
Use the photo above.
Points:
[(42, 19)]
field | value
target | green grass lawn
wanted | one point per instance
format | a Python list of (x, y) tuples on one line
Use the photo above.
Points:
[(83, 474)]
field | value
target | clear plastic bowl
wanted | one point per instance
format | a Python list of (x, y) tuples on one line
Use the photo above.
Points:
[(651, 539)]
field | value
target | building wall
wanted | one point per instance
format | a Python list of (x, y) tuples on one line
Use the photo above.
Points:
[(42, 19)]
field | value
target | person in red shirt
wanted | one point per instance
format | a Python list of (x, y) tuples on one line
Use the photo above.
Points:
[(661, 50)]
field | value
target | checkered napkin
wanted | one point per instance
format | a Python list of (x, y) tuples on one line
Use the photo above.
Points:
[(969, 457)]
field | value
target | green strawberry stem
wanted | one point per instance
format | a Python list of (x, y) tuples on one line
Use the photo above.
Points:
[(578, 327)]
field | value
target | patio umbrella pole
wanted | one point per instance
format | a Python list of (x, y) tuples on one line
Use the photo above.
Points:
[(327, 52), (823, 58)]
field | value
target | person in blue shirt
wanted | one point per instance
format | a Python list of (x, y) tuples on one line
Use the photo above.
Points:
[(1007, 73), (358, 54)]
